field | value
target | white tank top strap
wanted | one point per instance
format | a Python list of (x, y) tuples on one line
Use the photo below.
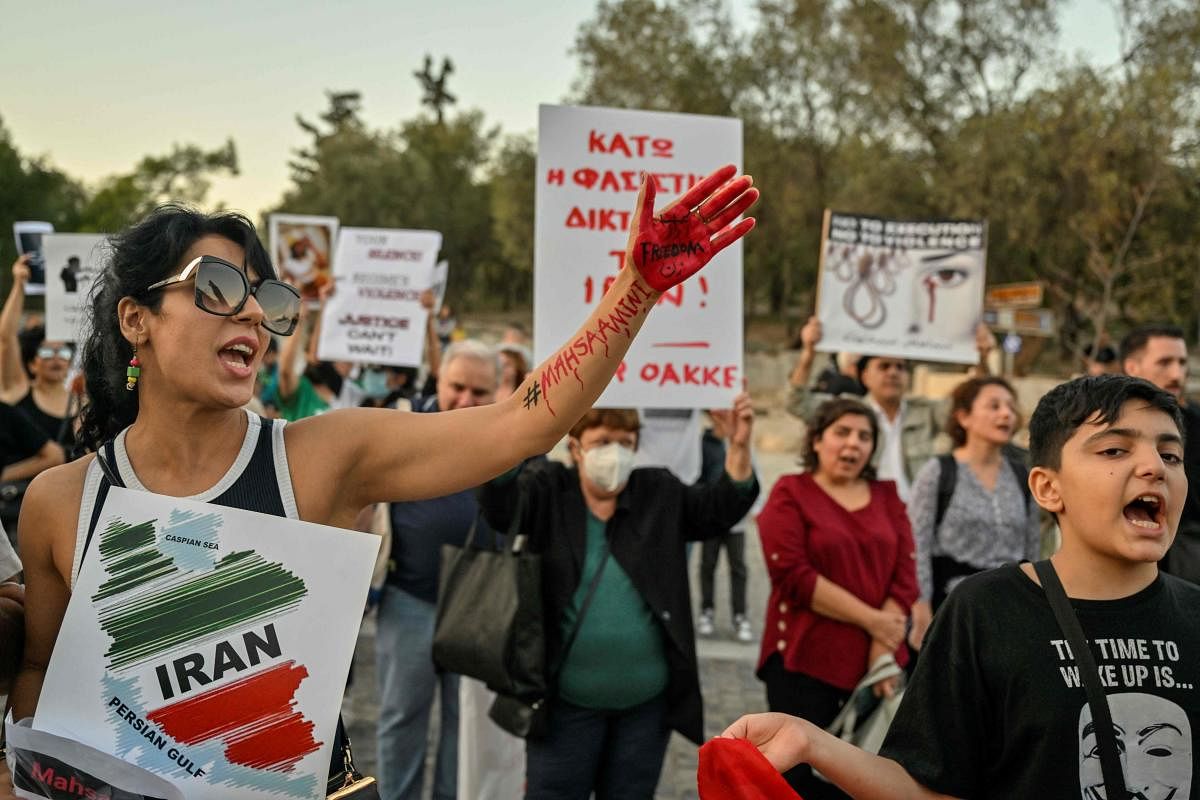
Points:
[(125, 468), (283, 473), (87, 504)]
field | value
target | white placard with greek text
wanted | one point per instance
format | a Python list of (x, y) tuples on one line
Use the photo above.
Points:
[(375, 316), (73, 260), (689, 354), (210, 645)]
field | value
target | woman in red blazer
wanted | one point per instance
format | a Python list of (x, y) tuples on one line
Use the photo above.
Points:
[(840, 555)]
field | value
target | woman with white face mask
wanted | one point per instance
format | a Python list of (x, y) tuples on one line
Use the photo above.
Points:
[(623, 663)]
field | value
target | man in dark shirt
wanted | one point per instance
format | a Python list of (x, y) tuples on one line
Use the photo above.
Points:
[(407, 680), (996, 708), (1158, 353)]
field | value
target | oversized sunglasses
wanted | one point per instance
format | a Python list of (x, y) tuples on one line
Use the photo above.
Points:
[(223, 289), (65, 353)]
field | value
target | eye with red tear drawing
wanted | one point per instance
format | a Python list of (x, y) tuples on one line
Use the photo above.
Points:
[(946, 291)]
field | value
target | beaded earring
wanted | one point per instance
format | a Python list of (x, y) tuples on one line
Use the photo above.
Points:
[(133, 371)]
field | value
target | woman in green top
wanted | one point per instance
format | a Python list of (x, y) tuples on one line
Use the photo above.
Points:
[(620, 645)]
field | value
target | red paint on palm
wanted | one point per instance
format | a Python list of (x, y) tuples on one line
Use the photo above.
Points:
[(255, 717), (734, 769), (671, 246)]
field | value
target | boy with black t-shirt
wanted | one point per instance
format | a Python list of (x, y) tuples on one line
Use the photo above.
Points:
[(996, 708)]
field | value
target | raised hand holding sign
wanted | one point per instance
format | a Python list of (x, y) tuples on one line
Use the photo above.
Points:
[(669, 247)]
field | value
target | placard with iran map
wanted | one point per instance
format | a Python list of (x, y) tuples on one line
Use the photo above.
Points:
[(210, 645)]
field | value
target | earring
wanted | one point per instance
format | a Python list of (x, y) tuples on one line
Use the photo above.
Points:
[(133, 371)]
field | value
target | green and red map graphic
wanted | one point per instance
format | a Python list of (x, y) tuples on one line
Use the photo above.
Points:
[(164, 591)]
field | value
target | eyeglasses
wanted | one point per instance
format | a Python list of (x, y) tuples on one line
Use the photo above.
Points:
[(65, 353), (223, 289)]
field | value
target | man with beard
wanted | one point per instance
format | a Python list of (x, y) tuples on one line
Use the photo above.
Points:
[(1158, 353)]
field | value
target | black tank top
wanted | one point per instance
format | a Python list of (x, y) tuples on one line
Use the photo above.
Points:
[(59, 429), (256, 488)]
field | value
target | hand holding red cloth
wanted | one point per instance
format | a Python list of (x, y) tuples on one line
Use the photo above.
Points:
[(734, 769)]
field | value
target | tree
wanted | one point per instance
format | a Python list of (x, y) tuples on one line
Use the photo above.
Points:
[(184, 175), (425, 174), (30, 188), (942, 108), (513, 182), (670, 57)]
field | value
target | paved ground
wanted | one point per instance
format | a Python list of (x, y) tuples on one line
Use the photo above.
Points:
[(726, 666)]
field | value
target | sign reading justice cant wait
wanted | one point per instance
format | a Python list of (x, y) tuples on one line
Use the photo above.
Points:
[(375, 315), (209, 645)]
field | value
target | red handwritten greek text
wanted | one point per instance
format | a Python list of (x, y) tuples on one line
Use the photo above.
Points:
[(630, 146)]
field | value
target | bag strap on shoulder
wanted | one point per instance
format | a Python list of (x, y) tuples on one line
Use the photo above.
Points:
[(106, 457), (1022, 472), (583, 609), (1110, 760), (947, 476)]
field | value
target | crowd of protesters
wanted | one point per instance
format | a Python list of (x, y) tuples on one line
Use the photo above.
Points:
[(871, 550)]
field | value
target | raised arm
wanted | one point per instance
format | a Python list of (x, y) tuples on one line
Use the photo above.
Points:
[(810, 334), (288, 379), (433, 345), (389, 456), (802, 400), (14, 383), (985, 342)]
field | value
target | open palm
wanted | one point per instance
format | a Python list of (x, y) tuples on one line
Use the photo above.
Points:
[(671, 246)]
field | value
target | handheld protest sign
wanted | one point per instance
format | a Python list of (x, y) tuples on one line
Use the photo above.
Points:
[(590, 201), (302, 251), (906, 289), (209, 645), (28, 235), (375, 316), (73, 260)]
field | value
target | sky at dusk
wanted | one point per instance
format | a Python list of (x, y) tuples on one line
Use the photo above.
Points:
[(93, 87)]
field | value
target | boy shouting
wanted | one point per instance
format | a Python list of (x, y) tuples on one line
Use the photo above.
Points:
[(996, 708)]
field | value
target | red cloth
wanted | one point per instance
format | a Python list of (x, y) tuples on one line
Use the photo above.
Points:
[(869, 553), (733, 769)]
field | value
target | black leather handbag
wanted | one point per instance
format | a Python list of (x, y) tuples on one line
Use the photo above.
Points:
[(527, 718), (489, 616)]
